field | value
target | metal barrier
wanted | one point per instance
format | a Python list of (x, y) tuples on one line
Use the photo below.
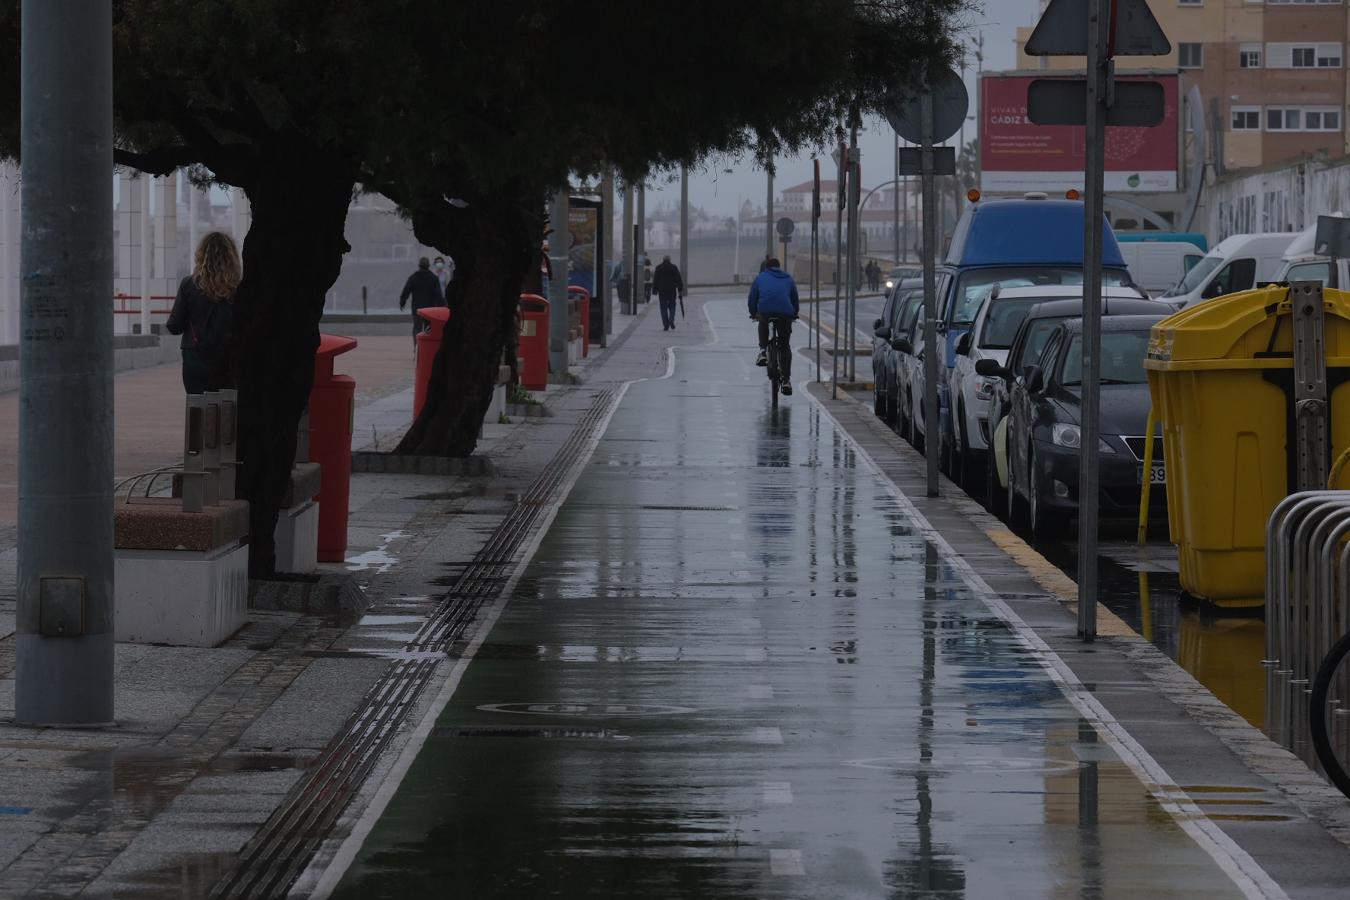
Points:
[(1307, 604), (210, 453)]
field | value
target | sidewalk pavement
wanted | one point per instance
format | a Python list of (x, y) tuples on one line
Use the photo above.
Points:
[(210, 742)]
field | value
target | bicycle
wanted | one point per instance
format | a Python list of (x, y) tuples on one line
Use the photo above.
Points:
[(1318, 712), (779, 350)]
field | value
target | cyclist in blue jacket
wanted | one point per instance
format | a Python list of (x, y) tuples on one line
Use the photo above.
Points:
[(774, 293)]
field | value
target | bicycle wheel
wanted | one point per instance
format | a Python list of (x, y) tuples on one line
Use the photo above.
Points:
[(1325, 690)]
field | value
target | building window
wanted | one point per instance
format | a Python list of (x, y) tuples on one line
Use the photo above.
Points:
[(1304, 58), (1296, 118), (1300, 2), (1249, 56), (1190, 56), (1283, 119), (1322, 120), (1190, 2), (1246, 118), (1328, 56)]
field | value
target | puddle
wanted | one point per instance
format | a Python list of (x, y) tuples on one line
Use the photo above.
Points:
[(378, 560)]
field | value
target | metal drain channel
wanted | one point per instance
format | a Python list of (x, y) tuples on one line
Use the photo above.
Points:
[(277, 854)]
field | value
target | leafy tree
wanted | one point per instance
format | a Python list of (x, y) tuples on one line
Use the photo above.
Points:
[(467, 114)]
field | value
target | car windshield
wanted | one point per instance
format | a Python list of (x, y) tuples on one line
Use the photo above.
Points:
[(1038, 332), (1123, 355), (1003, 320), (1197, 276), (972, 288)]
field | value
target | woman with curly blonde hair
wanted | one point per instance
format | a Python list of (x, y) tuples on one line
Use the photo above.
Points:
[(203, 314)]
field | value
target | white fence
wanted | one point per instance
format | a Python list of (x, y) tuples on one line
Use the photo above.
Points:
[(1289, 198)]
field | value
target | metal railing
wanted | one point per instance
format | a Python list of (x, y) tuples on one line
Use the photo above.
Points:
[(210, 453)]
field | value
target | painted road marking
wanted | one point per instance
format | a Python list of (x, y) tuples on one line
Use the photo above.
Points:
[(786, 862), (766, 736), (777, 793)]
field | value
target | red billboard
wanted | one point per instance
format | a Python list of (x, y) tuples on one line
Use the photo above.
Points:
[(1017, 156)]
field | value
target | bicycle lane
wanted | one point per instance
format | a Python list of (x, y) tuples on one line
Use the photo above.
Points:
[(736, 667)]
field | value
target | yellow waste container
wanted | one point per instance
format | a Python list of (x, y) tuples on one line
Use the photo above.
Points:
[(1221, 377)]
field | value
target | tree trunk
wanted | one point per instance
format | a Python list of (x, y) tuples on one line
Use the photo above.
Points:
[(492, 244), (292, 255)]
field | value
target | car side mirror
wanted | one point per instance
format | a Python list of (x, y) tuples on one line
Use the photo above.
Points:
[(878, 323), (882, 331), (990, 368), (1035, 379), (963, 344), (903, 345)]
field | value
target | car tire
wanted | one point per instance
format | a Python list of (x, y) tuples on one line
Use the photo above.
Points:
[(878, 401), (995, 496), (1045, 522), (1017, 507), (916, 439), (968, 466)]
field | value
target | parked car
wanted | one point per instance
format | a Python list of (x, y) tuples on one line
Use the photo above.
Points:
[(908, 343), (1238, 263), (1155, 266), (995, 326), (1302, 263), (1030, 242), (885, 368), (1044, 434), (1024, 349), (899, 275)]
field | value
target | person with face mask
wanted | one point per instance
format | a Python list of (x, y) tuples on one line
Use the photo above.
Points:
[(443, 274)]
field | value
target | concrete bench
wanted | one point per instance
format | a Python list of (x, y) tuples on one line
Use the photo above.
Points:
[(180, 577), (297, 532)]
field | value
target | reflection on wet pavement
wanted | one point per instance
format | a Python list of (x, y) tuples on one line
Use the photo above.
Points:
[(734, 669)]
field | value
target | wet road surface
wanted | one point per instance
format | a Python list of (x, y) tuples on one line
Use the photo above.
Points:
[(735, 669)]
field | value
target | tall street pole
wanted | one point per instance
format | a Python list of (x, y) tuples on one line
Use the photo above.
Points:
[(607, 231), (559, 318), (842, 158), (932, 351), (642, 224), (65, 593), (768, 219), (895, 224), (854, 239), (628, 250), (1098, 77), (684, 223)]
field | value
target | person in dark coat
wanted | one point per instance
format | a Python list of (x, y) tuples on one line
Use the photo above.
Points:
[(668, 287), (424, 289), (203, 313)]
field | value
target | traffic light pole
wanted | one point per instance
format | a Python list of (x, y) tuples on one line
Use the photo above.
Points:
[(932, 354), (64, 630)]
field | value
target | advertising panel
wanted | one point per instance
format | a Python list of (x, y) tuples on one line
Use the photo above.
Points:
[(582, 228), (1018, 156)]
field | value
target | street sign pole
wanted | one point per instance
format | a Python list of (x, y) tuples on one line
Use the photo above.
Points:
[(838, 260), (1099, 77), (854, 182), (931, 353), (64, 640), (815, 256)]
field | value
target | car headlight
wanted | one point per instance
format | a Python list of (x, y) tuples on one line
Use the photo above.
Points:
[(889, 283), (1070, 436), (984, 388)]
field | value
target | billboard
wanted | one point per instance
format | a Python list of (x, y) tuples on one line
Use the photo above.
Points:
[(1017, 156)]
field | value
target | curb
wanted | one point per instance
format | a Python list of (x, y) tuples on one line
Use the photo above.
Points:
[(325, 595), (373, 462)]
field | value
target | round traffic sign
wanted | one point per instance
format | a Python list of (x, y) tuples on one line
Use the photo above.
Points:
[(950, 104), (785, 226)]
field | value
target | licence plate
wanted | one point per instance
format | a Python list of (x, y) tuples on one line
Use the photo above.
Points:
[(1158, 475)]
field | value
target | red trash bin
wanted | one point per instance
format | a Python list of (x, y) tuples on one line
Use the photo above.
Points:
[(534, 342), (428, 345), (332, 409), (585, 298)]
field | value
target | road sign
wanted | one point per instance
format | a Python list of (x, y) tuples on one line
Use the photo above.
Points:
[(1063, 30), (951, 102), (784, 227), (1060, 101), (911, 161)]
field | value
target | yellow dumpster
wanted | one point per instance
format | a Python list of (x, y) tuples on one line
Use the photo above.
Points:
[(1221, 377)]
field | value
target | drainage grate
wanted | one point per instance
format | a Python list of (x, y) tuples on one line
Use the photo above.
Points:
[(277, 854), (689, 508), (520, 731)]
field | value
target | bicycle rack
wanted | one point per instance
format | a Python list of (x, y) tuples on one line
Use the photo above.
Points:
[(1307, 607)]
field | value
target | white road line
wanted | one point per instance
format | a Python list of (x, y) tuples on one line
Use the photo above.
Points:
[(777, 793), (786, 862), (1246, 873)]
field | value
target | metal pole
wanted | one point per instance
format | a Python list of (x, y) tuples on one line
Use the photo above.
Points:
[(855, 179), (65, 536), (838, 258), (768, 221), (192, 193), (626, 242), (1097, 86), (932, 353), (606, 287), (895, 224), (640, 241), (815, 259), (736, 254), (559, 318), (684, 224), (144, 187)]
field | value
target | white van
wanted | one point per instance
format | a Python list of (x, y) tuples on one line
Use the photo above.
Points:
[(1238, 263), (1301, 262), (1157, 265)]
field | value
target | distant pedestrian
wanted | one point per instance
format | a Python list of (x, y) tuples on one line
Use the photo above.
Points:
[(444, 272), (424, 289), (668, 285), (203, 313)]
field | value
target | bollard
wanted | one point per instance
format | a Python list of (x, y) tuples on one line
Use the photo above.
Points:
[(332, 413), (194, 477), (229, 447), (584, 303), (428, 345), (211, 449), (533, 343)]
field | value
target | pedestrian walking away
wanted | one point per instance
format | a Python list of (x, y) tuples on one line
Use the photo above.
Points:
[(774, 295), (203, 313), (424, 290), (668, 285)]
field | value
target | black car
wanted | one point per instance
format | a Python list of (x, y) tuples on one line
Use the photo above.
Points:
[(896, 317), (1025, 349), (1043, 429)]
